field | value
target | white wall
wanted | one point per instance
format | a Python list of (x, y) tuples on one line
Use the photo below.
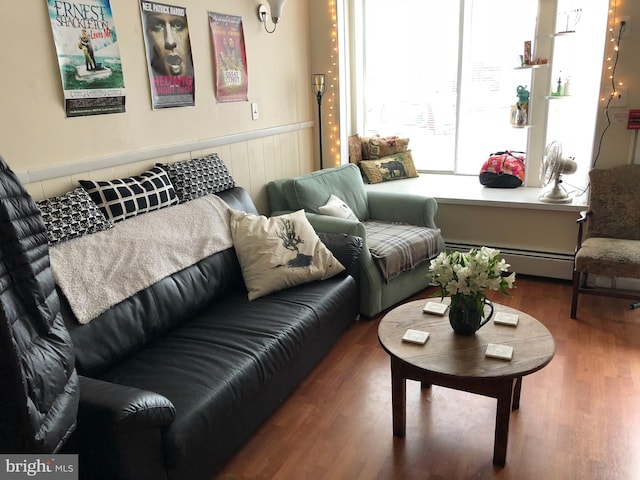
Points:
[(35, 134), (618, 142)]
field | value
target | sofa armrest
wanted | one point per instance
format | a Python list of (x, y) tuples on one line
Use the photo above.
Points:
[(121, 408), (346, 248), (329, 224), (119, 432), (409, 208)]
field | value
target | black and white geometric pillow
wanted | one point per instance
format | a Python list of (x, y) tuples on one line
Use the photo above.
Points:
[(127, 197), (71, 215), (198, 177)]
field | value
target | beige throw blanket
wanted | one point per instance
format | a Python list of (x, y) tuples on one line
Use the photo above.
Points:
[(97, 271)]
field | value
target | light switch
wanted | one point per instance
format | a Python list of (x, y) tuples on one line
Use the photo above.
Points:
[(255, 114)]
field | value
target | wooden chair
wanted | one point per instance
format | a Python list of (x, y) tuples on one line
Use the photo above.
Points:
[(609, 233)]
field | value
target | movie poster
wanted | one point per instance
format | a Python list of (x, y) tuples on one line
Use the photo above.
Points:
[(230, 59), (88, 56), (169, 60)]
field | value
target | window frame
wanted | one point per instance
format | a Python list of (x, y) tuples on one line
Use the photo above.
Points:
[(540, 83)]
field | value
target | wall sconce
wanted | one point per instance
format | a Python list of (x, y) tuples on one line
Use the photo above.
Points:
[(276, 13), (318, 88)]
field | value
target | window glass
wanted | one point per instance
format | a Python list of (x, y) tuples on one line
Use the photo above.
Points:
[(445, 74), (411, 75)]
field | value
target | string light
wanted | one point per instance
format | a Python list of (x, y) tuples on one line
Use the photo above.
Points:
[(334, 135), (615, 24), (612, 59)]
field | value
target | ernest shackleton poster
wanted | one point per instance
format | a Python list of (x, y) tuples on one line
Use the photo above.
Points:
[(88, 57), (169, 60)]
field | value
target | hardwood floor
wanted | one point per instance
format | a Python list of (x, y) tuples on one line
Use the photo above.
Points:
[(579, 417)]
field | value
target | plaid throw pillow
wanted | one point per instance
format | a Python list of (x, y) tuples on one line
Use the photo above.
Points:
[(198, 177), (127, 197)]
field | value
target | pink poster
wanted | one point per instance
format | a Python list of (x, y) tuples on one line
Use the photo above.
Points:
[(230, 58)]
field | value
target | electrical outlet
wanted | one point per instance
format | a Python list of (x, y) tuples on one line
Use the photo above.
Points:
[(255, 114), (620, 97), (626, 28)]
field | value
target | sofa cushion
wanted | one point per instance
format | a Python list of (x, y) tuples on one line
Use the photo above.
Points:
[(279, 252), (198, 177), (71, 215), (221, 361), (313, 190), (392, 167), (126, 197)]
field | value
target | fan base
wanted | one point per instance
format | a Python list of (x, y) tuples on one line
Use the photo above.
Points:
[(556, 195)]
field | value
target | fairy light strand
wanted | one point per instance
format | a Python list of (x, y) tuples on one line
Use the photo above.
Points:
[(334, 136), (612, 62)]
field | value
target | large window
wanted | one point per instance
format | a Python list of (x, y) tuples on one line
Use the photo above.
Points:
[(445, 74)]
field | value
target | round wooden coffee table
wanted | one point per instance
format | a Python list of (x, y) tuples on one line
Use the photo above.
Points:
[(457, 361)]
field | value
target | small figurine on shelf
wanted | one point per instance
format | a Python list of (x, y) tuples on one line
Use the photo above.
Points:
[(527, 52), (521, 117), (560, 87), (523, 94), (567, 86), (520, 111)]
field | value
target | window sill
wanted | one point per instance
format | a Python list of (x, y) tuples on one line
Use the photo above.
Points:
[(466, 190)]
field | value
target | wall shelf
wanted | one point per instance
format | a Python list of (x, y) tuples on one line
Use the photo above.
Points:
[(529, 67)]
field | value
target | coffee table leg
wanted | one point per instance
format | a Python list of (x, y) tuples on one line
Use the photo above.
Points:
[(516, 394), (398, 399), (503, 413)]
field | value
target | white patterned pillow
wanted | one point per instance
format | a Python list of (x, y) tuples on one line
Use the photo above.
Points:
[(198, 177), (127, 197), (336, 207), (71, 215)]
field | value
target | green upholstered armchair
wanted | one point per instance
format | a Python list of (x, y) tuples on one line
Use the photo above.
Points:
[(378, 214), (609, 233)]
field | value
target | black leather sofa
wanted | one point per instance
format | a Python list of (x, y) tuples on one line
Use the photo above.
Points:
[(170, 382), (176, 378)]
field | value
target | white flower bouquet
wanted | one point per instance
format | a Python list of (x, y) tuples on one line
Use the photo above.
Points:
[(471, 274)]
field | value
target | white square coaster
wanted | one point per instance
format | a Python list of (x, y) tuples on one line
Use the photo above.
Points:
[(504, 318), (435, 308), (415, 336), (503, 352)]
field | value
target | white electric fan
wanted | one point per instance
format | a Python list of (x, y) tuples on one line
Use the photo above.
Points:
[(552, 168)]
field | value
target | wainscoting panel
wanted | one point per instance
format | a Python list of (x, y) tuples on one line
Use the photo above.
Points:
[(253, 159)]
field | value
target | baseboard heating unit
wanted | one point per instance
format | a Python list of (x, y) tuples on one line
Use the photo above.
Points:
[(527, 262)]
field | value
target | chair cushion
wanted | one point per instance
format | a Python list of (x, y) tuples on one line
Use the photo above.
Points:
[(355, 149), (311, 191), (609, 256), (391, 167), (380, 147), (398, 247)]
